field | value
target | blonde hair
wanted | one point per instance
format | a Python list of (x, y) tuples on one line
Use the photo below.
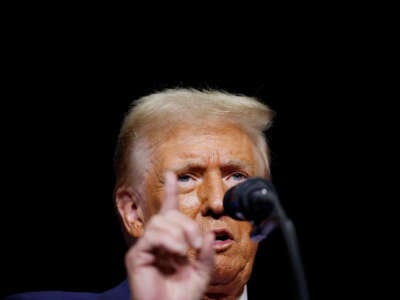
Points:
[(155, 116)]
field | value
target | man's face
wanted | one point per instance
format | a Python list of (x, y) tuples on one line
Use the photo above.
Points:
[(207, 162)]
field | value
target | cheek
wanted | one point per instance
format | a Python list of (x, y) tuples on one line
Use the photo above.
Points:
[(247, 246), (189, 205), (152, 200), (151, 207)]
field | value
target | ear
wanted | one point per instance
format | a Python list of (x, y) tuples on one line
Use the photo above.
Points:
[(129, 210)]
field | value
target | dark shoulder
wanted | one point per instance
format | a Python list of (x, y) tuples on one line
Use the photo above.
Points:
[(120, 292), (56, 295)]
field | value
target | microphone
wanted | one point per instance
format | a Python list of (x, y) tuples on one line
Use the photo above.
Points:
[(253, 200), (256, 200)]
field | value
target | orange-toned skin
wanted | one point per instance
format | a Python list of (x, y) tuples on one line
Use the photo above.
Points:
[(206, 162)]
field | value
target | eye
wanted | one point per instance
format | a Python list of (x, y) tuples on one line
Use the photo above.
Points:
[(186, 182), (184, 178), (238, 176)]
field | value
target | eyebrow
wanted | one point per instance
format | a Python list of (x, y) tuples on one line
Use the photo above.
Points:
[(200, 164), (237, 162), (189, 165)]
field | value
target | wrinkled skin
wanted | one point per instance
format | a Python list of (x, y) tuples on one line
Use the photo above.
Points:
[(178, 255)]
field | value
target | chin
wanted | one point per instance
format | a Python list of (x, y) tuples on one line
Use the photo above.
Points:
[(224, 291), (230, 275), (226, 276)]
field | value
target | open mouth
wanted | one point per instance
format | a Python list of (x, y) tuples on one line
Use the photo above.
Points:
[(223, 239)]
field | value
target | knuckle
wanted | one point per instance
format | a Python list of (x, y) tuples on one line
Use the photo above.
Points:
[(171, 213), (192, 228), (156, 221)]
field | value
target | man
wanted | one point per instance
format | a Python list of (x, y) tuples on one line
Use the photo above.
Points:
[(178, 152)]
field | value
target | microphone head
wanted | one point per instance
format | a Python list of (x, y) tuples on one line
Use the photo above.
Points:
[(253, 200)]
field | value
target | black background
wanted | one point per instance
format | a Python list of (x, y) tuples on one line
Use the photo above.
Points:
[(62, 107)]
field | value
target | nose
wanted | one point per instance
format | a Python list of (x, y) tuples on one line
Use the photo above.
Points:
[(211, 193)]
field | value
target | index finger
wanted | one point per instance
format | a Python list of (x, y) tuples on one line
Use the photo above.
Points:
[(170, 200)]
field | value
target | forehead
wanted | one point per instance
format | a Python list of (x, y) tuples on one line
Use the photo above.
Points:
[(220, 144)]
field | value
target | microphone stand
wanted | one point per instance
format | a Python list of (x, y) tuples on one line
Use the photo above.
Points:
[(289, 235), (261, 230)]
